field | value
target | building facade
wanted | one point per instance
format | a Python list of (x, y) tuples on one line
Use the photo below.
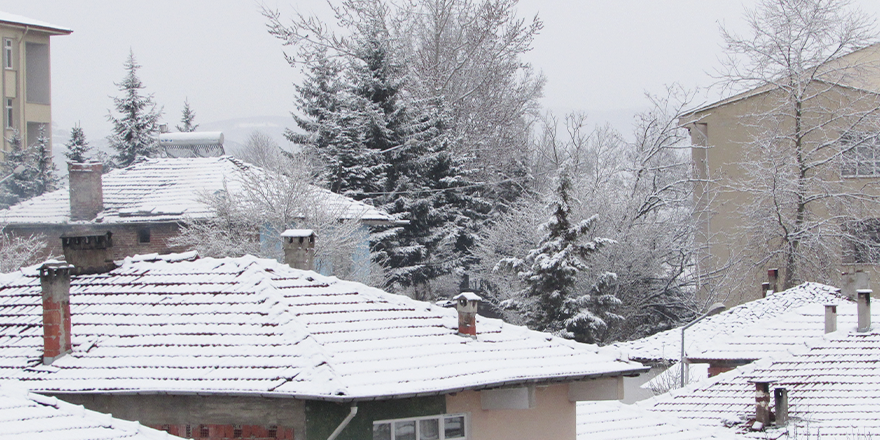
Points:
[(26, 84), (786, 178)]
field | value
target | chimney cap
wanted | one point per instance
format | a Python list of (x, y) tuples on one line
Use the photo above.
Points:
[(298, 233), (470, 296)]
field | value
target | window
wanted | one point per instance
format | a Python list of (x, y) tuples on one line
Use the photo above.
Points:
[(863, 238), (7, 53), (421, 428), (204, 431), (144, 235), (861, 155), (9, 113)]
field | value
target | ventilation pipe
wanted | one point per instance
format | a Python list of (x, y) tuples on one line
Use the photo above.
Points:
[(830, 318), (780, 397), (864, 309)]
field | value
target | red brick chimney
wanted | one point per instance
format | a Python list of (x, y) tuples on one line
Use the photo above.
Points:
[(762, 405), (466, 304), (55, 283), (86, 190)]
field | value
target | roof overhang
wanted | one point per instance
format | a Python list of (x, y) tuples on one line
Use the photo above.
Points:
[(633, 372)]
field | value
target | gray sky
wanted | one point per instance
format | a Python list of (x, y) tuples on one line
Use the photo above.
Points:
[(599, 56)]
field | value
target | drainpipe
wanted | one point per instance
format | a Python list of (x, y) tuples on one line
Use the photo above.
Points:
[(351, 414)]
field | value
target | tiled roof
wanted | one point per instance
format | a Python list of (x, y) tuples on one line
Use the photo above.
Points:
[(788, 332), (703, 335), (613, 420), (179, 324), (27, 416), (167, 190), (833, 390)]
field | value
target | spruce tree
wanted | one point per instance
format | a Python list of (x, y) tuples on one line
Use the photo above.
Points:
[(45, 175), (18, 169), (550, 300), (77, 147), (187, 119), (135, 130)]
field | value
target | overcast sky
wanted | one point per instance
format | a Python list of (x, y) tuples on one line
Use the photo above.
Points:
[(599, 56)]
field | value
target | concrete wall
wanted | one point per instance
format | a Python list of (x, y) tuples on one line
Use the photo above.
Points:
[(553, 416), (256, 414)]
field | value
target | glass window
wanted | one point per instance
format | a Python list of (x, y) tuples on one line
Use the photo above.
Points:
[(861, 155), (453, 427), (382, 431), (429, 429), (7, 53), (9, 113), (405, 430), (439, 427)]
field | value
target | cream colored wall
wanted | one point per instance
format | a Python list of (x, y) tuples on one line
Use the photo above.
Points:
[(553, 417), (14, 84), (729, 132)]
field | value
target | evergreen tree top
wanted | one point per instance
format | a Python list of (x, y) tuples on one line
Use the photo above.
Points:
[(187, 119)]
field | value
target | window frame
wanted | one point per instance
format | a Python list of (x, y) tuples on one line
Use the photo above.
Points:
[(9, 113), (8, 51), (441, 418), (853, 158)]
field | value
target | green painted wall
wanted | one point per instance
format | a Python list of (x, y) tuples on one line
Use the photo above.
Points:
[(323, 417)]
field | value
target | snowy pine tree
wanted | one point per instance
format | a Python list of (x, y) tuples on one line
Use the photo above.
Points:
[(134, 132), (550, 300), (187, 119), (46, 175), (77, 147), (18, 164)]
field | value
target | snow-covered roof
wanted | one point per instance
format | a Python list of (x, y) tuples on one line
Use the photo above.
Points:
[(788, 332), (666, 345), (28, 416), (181, 324), (833, 390), (168, 190), (613, 420), (18, 20)]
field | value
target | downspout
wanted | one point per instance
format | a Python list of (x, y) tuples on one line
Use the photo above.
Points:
[(20, 87), (354, 411)]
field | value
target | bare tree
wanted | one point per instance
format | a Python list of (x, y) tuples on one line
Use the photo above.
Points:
[(810, 113), (257, 205), (16, 251)]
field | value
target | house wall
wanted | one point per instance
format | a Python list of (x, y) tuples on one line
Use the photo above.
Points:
[(553, 416), (125, 238), (261, 418), (322, 418)]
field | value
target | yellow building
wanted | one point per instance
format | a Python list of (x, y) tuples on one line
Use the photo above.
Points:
[(748, 152), (27, 90)]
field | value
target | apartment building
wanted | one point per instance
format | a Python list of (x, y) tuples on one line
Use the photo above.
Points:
[(775, 173), (27, 91)]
